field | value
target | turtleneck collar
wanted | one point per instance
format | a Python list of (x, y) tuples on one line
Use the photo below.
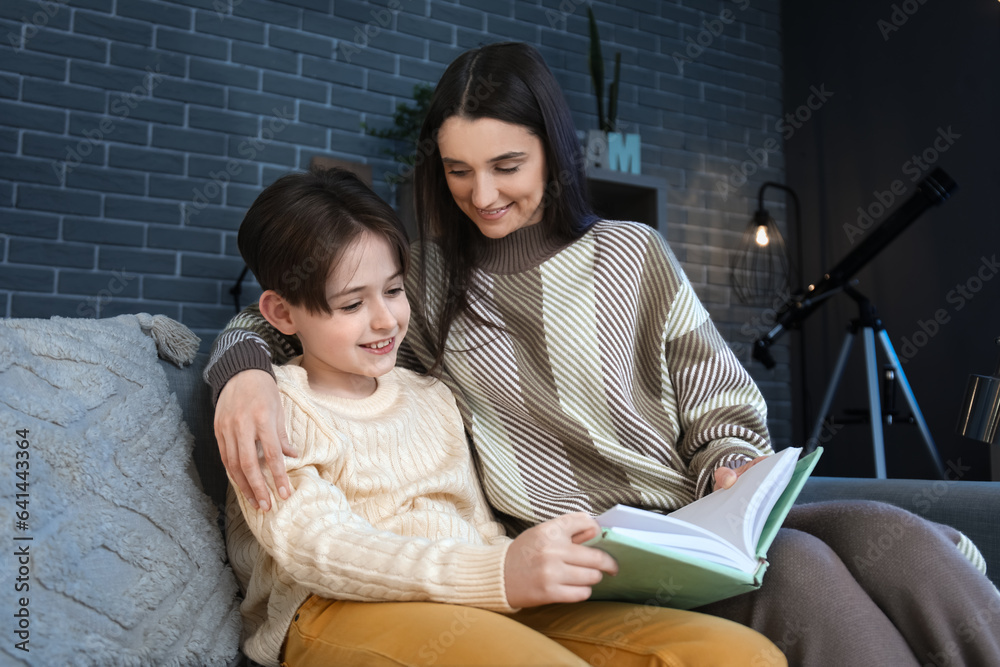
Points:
[(520, 250)]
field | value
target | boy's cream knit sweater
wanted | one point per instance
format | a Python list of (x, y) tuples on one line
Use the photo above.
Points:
[(386, 506)]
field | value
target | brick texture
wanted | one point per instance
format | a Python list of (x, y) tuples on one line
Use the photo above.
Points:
[(136, 132)]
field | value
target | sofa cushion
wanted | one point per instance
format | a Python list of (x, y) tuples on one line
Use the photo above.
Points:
[(124, 562)]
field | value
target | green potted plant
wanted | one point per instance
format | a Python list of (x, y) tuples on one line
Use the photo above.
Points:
[(606, 147), (404, 133), (596, 62)]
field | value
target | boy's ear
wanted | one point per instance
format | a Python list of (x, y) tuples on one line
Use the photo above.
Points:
[(275, 310)]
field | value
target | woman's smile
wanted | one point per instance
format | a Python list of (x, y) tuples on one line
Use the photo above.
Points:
[(495, 213)]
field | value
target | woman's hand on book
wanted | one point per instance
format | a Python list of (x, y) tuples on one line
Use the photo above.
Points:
[(726, 477), (249, 411), (548, 563)]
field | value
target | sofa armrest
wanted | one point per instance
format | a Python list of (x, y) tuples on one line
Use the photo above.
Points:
[(971, 507)]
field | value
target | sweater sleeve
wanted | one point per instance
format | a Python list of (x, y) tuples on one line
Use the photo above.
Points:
[(247, 342), (722, 414), (319, 543)]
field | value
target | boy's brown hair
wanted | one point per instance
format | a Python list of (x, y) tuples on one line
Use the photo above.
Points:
[(298, 227)]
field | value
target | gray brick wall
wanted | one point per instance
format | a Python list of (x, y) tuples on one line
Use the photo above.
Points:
[(135, 133)]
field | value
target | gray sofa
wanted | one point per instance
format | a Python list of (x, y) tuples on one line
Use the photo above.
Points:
[(972, 507), (125, 509)]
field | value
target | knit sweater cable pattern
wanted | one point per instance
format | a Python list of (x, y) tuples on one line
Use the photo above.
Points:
[(606, 383), (386, 507)]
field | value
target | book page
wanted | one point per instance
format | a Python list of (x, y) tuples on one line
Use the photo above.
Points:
[(738, 514), (664, 531), (706, 546)]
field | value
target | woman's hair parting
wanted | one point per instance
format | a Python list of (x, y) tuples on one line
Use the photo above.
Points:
[(300, 225)]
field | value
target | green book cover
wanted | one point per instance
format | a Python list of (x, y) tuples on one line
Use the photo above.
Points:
[(712, 549)]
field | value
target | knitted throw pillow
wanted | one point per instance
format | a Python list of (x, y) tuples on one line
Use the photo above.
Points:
[(118, 554)]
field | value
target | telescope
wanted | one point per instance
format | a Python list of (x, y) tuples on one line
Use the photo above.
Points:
[(934, 190)]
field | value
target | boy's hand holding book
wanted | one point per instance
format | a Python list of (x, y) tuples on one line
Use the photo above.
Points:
[(548, 563), (708, 550)]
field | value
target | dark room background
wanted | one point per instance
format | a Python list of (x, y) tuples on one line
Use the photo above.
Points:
[(913, 89)]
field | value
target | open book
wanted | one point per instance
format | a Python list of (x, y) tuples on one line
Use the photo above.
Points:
[(709, 550)]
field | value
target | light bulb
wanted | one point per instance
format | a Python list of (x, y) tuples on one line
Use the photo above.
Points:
[(762, 235)]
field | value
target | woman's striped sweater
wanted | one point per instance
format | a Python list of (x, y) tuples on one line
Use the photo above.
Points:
[(605, 381)]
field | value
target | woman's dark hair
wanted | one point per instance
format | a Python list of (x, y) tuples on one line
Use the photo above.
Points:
[(509, 82), (299, 226)]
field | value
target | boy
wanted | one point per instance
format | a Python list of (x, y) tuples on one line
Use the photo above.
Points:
[(387, 508)]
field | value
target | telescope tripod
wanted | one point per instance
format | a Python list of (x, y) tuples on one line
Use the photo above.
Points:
[(870, 327)]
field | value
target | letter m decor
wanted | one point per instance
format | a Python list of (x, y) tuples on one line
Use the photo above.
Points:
[(624, 152)]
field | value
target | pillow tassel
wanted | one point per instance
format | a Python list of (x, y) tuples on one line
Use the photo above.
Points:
[(174, 341)]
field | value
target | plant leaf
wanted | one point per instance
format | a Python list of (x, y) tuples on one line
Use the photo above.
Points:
[(407, 121), (596, 62), (613, 94)]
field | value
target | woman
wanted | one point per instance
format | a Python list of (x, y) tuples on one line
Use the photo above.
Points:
[(588, 374)]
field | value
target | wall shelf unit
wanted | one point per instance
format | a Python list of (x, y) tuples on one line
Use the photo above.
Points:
[(616, 195)]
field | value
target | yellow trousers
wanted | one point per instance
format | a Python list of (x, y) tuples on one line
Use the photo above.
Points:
[(338, 633)]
